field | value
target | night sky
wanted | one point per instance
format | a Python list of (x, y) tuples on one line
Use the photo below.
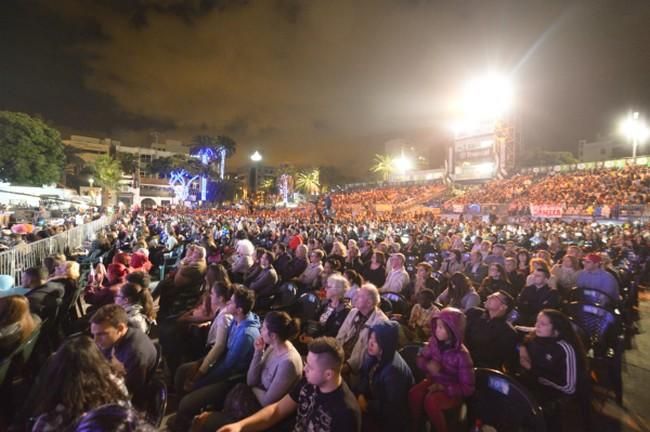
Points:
[(320, 81)]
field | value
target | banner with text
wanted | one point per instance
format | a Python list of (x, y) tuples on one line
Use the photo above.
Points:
[(546, 210)]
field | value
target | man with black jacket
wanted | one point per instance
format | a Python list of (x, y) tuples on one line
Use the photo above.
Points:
[(125, 346), (490, 339), (44, 297)]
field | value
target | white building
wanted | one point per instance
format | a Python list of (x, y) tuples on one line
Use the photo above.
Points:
[(603, 149)]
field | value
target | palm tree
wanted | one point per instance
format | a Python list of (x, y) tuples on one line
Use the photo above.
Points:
[(308, 181), (226, 147), (108, 174), (206, 149), (130, 164), (383, 164)]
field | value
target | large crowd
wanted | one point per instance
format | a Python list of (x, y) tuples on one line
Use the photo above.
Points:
[(312, 319), (629, 185)]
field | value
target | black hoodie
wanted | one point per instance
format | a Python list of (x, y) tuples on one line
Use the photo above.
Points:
[(386, 382)]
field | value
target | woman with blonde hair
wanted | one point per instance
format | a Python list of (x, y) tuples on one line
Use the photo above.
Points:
[(16, 323)]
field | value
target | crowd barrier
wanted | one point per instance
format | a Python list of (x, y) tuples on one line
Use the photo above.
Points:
[(21, 257)]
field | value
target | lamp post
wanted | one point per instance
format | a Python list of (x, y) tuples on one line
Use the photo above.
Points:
[(91, 181), (635, 130), (255, 158)]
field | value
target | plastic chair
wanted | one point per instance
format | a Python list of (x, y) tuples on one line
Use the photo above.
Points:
[(606, 342), (285, 297), (157, 403), (503, 403), (307, 306), (592, 297), (385, 305), (409, 353), (399, 305)]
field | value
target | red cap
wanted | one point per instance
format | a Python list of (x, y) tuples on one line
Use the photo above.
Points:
[(593, 257)]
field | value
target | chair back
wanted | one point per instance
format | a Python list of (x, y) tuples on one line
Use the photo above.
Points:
[(157, 403), (385, 305), (307, 306), (399, 305), (601, 326), (503, 403), (592, 297), (285, 296), (410, 353)]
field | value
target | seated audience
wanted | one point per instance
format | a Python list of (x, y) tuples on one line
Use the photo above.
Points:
[(44, 297), (595, 278), (385, 380), (76, 380), (449, 369), (353, 334), (536, 297), (212, 387), (459, 293), (321, 401), (419, 322), (138, 304), (128, 348), (554, 361), (331, 313), (489, 337), (17, 323), (275, 369)]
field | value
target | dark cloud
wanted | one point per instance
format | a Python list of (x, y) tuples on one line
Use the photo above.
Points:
[(325, 80)]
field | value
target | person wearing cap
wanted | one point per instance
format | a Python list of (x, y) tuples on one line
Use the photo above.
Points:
[(595, 278), (398, 278), (489, 337)]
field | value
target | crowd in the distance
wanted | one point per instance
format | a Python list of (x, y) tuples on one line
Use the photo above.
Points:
[(605, 186), (238, 357)]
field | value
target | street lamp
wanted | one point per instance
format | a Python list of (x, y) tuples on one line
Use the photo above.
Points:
[(91, 181), (634, 129), (256, 157)]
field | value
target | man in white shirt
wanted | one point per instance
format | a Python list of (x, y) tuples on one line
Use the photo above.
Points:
[(398, 278)]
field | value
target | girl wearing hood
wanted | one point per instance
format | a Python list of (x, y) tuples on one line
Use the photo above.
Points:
[(385, 381), (449, 369)]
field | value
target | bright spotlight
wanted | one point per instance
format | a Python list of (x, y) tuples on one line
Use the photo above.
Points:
[(403, 164), (487, 98), (635, 130)]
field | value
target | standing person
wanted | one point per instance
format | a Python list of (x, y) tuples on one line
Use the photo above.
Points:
[(449, 369), (322, 401), (385, 381), (276, 367)]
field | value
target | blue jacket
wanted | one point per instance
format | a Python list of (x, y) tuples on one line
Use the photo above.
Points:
[(239, 351), (386, 382)]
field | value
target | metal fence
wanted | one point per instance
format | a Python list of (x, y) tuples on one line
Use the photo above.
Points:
[(21, 257)]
